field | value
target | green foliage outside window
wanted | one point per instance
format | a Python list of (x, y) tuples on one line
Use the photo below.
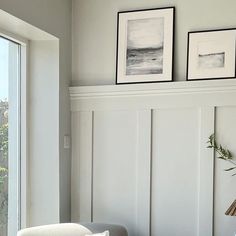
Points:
[(3, 173)]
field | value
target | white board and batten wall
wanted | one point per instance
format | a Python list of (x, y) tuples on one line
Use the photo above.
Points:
[(139, 157)]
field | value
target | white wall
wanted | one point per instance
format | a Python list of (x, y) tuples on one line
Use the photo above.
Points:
[(43, 155), (140, 157), (94, 33), (54, 17)]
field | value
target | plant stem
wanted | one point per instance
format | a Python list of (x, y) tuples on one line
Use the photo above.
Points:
[(222, 152)]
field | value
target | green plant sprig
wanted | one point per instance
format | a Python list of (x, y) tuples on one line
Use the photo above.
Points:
[(222, 152)]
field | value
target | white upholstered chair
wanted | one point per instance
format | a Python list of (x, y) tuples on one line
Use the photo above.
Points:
[(72, 229), (68, 229)]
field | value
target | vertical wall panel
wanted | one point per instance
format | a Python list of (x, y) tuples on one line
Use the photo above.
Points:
[(175, 172), (82, 128), (225, 184), (206, 173), (143, 172), (121, 162)]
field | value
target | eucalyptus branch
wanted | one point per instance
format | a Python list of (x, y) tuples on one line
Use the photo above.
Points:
[(222, 152)]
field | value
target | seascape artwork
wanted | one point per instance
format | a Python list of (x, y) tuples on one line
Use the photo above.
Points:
[(211, 60), (210, 54), (145, 44)]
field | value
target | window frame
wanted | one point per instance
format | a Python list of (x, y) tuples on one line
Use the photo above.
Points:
[(23, 126)]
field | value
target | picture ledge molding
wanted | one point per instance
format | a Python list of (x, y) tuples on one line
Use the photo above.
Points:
[(152, 89)]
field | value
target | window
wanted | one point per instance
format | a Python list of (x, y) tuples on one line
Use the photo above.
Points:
[(9, 137)]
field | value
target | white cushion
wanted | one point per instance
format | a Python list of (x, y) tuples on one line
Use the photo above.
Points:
[(106, 233), (68, 229)]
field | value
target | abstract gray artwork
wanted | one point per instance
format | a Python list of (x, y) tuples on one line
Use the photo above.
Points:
[(145, 44)]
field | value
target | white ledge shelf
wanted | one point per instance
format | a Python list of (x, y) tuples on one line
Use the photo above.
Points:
[(149, 89)]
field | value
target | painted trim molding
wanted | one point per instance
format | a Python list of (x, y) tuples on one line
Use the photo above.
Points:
[(152, 96), (80, 92)]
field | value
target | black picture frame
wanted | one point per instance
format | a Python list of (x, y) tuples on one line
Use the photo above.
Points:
[(148, 68), (212, 36)]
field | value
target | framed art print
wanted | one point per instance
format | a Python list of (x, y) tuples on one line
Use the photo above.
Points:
[(145, 46), (211, 54)]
